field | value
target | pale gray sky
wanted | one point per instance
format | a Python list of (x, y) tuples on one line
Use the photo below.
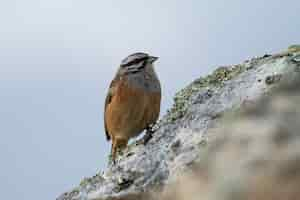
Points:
[(57, 58)]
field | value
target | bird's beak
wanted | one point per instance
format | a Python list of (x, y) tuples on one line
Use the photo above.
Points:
[(152, 59)]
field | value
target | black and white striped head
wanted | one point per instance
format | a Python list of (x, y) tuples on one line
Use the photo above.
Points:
[(137, 61)]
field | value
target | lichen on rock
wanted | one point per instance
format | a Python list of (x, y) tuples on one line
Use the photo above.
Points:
[(214, 80), (294, 48), (255, 154)]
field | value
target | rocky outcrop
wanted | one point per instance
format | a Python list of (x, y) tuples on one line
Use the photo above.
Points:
[(189, 140), (253, 153)]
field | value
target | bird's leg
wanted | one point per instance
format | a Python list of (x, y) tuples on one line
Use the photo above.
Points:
[(118, 144), (113, 152), (148, 135), (122, 143)]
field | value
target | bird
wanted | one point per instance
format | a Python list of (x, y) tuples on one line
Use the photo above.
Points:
[(133, 101)]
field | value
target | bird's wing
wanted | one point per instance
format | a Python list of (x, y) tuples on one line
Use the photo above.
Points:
[(108, 99)]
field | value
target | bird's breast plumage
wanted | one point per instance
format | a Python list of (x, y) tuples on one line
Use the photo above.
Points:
[(132, 109), (144, 81)]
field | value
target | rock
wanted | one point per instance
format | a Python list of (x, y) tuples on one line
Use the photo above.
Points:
[(273, 79), (253, 154), (294, 48), (183, 136)]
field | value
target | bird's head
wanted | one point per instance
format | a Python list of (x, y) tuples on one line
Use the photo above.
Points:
[(136, 62)]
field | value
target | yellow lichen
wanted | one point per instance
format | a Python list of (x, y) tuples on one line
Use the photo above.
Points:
[(216, 79), (294, 48)]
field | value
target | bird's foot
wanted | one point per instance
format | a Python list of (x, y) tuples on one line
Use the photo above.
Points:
[(148, 136), (111, 160)]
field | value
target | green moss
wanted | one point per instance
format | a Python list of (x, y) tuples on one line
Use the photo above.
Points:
[(110, 160), (91, 180), (85, 181), (214, 80), (202, 143), (273, 79), (74, 193), (120, 152), (294, 48), (123, 184)]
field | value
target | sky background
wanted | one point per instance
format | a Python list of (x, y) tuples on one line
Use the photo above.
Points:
[(57, 58)]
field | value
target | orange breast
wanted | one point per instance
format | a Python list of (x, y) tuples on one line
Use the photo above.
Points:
[(131, 110)]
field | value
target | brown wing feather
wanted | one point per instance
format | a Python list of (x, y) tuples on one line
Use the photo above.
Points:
[(108, 99)]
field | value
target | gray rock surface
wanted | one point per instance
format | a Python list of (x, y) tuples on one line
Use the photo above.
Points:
[(183, 134), (252, 154)]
